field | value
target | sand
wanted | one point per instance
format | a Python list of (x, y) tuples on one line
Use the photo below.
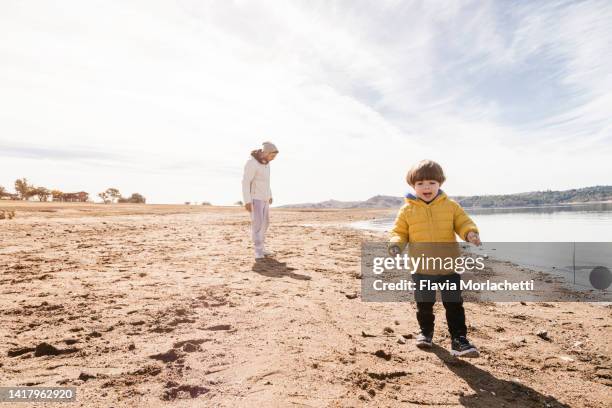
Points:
[(152, 306)]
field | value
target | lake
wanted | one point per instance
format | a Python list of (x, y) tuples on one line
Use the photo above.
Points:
[(571, 239), (563, 223)]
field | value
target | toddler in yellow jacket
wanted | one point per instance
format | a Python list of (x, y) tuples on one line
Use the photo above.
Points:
[(430, 216)]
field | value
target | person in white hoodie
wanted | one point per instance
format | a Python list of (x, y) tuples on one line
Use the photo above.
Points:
[(257, 194)]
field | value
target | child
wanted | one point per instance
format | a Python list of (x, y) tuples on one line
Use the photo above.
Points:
[(433, 217)]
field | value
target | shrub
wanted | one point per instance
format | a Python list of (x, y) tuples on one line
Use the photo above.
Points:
[(7, 214), (134, 199)]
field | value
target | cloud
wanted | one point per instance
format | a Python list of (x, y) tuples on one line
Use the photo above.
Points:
[(50, 153), (352, 92)]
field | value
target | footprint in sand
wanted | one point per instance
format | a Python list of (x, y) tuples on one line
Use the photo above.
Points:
[(180, 344), (167, 357), (42, 349), (219, 327), (182, 391)]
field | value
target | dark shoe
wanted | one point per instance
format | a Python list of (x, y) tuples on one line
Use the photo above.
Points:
[(461, 347), (424, 340)]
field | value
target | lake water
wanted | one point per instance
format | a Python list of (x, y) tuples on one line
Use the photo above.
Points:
[(568, 223), (571, 239)]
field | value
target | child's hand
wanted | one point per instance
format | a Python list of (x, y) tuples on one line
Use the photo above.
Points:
[(474, 238), (394, 250)]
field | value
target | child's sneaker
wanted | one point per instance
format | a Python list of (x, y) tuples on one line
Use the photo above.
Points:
[(461, 347), (424, 340)]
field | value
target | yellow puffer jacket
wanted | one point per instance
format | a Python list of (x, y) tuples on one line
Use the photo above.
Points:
[(420, 222), (437, 221)]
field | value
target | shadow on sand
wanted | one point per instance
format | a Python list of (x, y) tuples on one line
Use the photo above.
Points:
[(507, 393), (272, 268)]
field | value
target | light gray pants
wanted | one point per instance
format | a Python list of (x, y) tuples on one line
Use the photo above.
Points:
[(259, 224)]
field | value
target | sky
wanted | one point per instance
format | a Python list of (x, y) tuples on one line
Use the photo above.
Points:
[(168, 98)]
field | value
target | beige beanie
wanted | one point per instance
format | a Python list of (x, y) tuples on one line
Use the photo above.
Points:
[(268, 147)]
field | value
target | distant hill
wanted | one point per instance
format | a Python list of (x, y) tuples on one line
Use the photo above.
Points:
[(533, 198), (378, 201)]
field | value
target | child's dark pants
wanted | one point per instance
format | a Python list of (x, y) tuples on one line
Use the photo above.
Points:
[(451, 299)]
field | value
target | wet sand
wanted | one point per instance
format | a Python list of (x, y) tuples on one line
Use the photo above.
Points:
[(152, 306)]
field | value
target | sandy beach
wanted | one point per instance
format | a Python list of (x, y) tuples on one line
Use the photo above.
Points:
[(151, 305)]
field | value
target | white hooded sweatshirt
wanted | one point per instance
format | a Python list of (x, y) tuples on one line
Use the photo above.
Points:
[(256, 181)]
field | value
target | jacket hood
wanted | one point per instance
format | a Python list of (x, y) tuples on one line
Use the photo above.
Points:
[(409, 197)]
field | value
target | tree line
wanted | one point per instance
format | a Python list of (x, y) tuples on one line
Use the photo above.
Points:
[(112, 195), (535, 198), (26, 191)]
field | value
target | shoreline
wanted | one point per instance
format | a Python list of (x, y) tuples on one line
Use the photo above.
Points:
[(19, 204), (568, 204)]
